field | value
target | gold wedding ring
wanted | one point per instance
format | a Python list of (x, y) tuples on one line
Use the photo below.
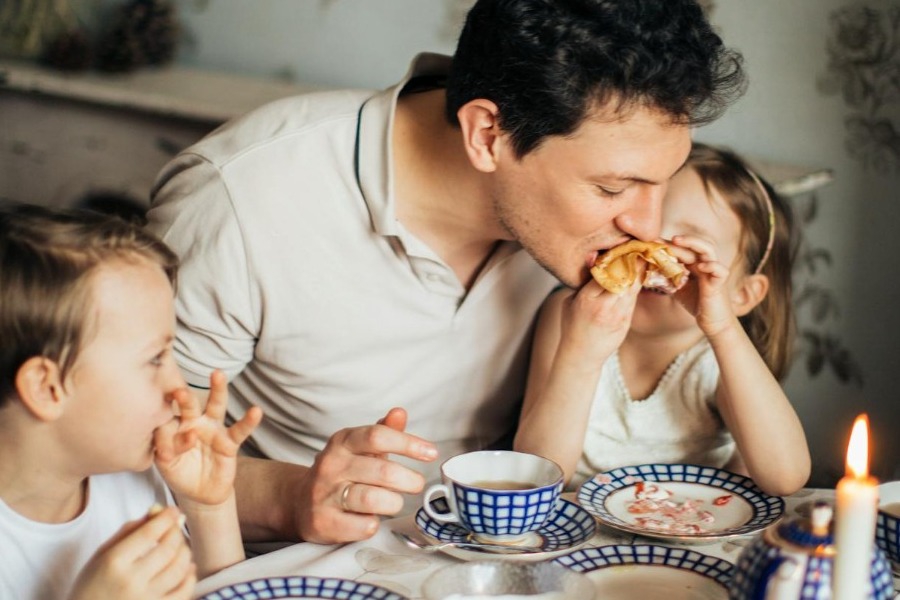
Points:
[(344, 495)]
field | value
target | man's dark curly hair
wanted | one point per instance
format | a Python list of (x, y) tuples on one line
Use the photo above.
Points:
[(547, 63)]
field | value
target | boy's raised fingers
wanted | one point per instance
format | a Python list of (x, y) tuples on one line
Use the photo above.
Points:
[(188, 404), (218, 396), (242, 429)]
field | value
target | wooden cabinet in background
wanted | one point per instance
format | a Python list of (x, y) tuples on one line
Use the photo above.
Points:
[(64, 137)]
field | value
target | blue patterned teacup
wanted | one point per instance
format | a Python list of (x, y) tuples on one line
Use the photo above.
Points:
[(497, 495), (887, 527)]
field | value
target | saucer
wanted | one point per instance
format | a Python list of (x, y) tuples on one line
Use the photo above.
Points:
[(302, 587), (651, 572), (569, 526), (685, 503)]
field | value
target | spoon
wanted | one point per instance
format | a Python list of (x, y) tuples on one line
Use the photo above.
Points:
[(477, 546)]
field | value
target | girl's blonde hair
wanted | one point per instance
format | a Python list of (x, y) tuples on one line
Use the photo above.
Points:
[(771, 324), (47, 258)]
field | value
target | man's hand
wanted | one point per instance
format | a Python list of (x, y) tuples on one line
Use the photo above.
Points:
[(352, 481), (146, 559)]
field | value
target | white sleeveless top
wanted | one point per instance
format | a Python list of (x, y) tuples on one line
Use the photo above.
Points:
[(677, 423)]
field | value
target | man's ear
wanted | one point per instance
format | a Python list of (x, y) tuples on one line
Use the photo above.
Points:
[(749, 293), (479, 122), (40, 388)]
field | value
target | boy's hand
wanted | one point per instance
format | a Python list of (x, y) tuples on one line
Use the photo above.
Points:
[(195, 453), (146, 559)]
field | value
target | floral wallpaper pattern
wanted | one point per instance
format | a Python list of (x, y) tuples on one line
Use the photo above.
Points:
[(819, 348), (864, 68)]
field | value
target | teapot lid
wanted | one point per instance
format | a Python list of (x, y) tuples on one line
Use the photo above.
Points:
[(812, 536)]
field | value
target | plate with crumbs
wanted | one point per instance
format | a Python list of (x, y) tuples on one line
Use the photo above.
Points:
[(679, 502)]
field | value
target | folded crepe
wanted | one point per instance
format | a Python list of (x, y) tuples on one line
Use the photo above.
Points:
[(619, 267)]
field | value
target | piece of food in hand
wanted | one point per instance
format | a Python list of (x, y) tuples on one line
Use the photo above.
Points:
[(158, 508), (619, 267)]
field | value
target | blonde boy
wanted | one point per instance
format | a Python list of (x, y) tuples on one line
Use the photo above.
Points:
[(96, 426)]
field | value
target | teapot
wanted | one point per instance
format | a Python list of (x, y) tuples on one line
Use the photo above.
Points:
[(793, 559)]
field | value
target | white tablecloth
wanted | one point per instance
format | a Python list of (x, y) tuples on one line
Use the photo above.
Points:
[(387, 562)]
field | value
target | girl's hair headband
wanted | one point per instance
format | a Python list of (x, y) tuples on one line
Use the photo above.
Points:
[(771, 211)]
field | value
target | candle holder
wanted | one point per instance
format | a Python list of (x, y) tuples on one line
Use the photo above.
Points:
[(793, 560)]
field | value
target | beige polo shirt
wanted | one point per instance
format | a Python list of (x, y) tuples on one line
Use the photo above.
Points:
[(299, 282)]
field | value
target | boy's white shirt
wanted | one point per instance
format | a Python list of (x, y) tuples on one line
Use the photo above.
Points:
[(42, 560), (677, 423)]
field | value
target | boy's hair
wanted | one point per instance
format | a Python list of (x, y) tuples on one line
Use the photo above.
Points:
[(547, 63), (771, 324), (47, 258)]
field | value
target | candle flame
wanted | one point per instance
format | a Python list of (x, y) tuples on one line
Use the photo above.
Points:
[(858, 448)]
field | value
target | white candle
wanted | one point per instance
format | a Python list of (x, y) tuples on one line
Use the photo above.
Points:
[(854, 527)]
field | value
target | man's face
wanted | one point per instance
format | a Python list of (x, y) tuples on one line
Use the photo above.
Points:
[(594, 189)]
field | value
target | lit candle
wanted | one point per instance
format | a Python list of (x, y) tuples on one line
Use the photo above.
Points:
[(854, 526)]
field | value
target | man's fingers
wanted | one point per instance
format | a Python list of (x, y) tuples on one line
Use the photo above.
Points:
[(381, 439), (352, 527), (396, 419), (359, 497), (369, 470)]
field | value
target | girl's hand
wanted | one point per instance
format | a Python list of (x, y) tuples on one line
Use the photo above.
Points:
[(195, 453), (595, 322), (146, 559), (706, 296)]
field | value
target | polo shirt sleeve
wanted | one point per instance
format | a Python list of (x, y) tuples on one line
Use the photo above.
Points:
[(216, 307)]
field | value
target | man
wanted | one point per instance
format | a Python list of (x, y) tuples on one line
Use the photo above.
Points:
[(348, 252)]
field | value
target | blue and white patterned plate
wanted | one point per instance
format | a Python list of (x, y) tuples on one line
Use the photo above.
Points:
[(303, 587), (648, 571), (687, 503), (567, 527)]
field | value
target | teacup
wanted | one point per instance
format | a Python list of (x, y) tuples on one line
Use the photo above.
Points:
[(887, 529), (483, 580), (499, 496)]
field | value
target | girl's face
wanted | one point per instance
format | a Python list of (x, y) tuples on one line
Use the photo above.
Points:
[(689, 209), (119, 390)]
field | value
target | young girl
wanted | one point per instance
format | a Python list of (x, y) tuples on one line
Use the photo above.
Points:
[(647, 377), (95, 419)]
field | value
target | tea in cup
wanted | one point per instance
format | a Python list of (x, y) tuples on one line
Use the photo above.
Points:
[(499, 496)]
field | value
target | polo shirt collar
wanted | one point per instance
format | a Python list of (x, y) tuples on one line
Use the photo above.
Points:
[(374, 154)]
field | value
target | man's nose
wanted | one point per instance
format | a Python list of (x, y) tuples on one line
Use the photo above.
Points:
[(643, 217)]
